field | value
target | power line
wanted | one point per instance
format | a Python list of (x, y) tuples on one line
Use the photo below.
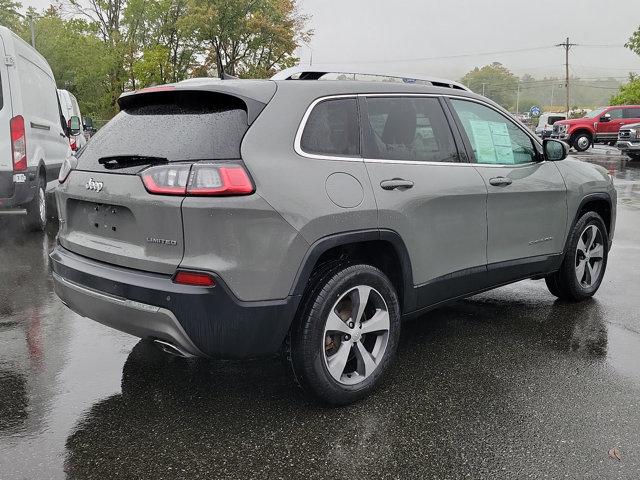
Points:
[(447, 57)]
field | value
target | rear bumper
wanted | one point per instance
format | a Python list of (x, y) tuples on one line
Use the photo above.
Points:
[(199, 321), (15, 194)]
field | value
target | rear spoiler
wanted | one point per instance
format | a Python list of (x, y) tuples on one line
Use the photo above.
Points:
[(255, 94)]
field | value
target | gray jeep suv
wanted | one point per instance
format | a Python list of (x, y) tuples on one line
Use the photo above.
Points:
[(239, 218)]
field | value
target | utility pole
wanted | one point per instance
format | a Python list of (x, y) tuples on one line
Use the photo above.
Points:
[(483, 89), (567, 46), (33, 32), (29, 18), (518, 100)]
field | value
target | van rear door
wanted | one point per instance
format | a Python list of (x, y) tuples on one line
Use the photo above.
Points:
[(6, 166)]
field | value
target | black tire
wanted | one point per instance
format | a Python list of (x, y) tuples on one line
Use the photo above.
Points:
[(634, 156), (36, 219), (308, 343), (564, 283), (581, 141)]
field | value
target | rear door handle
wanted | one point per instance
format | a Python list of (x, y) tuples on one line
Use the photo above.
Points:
[(500, 181), (396, 183)]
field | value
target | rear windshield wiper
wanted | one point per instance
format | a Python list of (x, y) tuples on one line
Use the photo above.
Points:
[(125, 161)]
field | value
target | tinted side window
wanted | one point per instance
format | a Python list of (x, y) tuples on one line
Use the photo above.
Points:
[(615, 113), (553, 120), (332, 128), (408, 128), (632, 113), (494, 138)]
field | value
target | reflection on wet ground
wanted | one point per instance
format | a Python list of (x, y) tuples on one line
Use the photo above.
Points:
[(508, 384)]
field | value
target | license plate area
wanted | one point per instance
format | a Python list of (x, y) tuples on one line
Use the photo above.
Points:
[(101, 219)]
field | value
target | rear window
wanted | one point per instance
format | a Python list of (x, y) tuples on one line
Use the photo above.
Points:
[(553, 120), (178, 126), (332, 128)]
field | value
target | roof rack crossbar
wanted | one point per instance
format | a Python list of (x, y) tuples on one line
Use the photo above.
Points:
[(315, 72)]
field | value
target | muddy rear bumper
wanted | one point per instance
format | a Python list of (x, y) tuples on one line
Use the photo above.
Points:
[(199, 321)]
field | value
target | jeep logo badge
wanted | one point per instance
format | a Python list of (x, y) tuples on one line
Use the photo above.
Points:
[(93, 185)]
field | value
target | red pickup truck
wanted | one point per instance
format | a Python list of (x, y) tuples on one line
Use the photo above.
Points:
[(598, 126)]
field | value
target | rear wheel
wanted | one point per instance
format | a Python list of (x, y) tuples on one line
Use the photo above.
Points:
[(346, 335), (585, 261), (36, 219), (581, 142)]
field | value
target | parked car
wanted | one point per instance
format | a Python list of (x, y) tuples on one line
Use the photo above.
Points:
[(598, 126), (73, 119), (546, 122), (33, 136), (241, 218), (629, 140)]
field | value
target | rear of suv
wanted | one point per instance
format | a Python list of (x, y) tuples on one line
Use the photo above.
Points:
[(241, 218)]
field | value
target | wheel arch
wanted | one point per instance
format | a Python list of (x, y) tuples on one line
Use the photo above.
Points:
[(583, 129), (383, 249), (594, 202)]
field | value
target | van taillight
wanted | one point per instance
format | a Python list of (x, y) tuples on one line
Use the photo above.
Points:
[(199, 179), (18, 143)]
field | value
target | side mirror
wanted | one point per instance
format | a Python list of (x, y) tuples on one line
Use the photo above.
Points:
[(74, 125), (555, 150), (605, 118)]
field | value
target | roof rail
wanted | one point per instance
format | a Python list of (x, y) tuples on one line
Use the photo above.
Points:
[(314, 72)]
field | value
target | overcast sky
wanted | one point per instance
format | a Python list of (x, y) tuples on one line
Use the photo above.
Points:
[(385, 32)]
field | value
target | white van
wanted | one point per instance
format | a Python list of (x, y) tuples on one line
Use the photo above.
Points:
[(546, 121), (33, 135), (73, 119)]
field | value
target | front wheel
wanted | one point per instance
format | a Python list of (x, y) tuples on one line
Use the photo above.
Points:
[(346, 335), (585, 260), (581, 142)]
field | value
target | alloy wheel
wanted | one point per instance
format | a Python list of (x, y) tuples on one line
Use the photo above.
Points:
[(356, 334), (589, 256)]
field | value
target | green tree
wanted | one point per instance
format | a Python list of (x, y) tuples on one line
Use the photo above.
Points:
[(249, 38), (77, 58), (629, 93), (9, 16), (160, 51), (497, 82)]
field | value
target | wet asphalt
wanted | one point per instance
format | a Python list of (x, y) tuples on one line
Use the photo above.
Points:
[(507, 384)]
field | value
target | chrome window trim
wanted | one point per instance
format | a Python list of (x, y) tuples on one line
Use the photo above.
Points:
[(303, 123), (298, 149)]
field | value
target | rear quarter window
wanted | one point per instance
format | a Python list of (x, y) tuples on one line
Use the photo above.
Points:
[(332, 128), (184, 126)]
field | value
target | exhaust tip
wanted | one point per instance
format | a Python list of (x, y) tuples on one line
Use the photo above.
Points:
[(172, 349)]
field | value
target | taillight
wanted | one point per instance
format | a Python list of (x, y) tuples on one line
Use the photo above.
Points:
[(73, 144), (69, 164), (18, 143), (167, 179), (200, 179), (200, 279)]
